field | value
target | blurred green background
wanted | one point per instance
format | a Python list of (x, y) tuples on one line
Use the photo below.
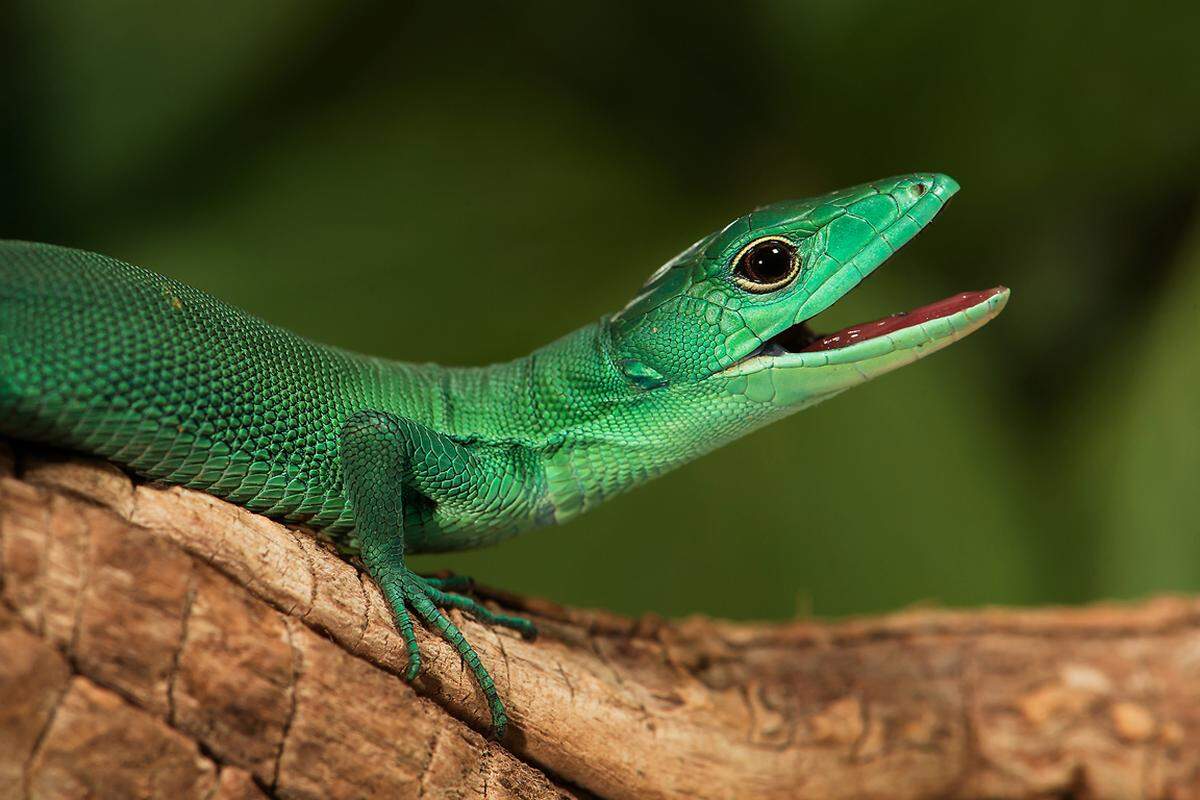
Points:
[(428, 182)]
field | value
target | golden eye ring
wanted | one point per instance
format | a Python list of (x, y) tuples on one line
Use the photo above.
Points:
[(766, 265)]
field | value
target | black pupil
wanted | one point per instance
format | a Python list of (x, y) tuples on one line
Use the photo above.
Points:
[(768, 262)]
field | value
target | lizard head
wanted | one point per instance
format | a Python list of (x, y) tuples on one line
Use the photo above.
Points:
[(730, 315)]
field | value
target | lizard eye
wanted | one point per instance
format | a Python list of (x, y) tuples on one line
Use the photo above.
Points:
[(766, 265)]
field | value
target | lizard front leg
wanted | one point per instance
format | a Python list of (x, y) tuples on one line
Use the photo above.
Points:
[(384, 457)]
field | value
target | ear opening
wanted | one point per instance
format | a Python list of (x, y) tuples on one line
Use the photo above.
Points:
[(640, 374)]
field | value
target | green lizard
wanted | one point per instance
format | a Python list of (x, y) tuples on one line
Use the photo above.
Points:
[(388, 458)]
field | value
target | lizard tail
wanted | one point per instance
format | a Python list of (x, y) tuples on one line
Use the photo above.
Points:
[(71, 331), (57, 322), (20, 284)]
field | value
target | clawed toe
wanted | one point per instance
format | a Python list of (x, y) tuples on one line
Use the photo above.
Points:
[(451, 582), (433, 590)]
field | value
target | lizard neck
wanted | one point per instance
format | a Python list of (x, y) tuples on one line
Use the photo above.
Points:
[(594, 432), (555, 392)]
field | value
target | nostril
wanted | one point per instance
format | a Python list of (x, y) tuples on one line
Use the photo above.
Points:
[(919, 189)]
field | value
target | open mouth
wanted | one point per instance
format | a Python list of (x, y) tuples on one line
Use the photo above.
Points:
[(800, 338), (809, 363)]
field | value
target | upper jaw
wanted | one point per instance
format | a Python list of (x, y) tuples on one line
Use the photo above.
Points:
[(928, 193)]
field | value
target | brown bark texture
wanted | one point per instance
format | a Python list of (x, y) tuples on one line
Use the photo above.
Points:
[(158, 642)]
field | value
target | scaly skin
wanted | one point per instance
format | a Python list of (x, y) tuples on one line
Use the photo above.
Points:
[(385, 457)]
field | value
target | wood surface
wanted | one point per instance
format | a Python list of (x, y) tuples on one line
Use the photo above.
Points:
[(158, 642)]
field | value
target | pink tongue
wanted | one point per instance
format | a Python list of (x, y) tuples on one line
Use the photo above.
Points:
[(905, 319)]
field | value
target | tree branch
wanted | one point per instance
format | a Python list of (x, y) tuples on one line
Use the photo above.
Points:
[(160, 642)]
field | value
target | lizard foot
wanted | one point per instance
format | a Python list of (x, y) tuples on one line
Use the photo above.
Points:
[(423, 595)]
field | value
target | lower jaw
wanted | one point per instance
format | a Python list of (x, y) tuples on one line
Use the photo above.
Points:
[(826, 371)]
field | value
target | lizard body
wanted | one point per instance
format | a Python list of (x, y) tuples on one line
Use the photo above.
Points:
[(386, 458)]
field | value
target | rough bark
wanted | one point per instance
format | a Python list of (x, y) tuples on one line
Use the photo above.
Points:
[(157, 642)]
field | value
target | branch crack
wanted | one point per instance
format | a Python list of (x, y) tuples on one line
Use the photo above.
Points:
[(184, 620), (287, 723), (40, 741)]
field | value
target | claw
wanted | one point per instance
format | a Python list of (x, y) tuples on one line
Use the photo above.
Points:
[(414, 667), (499, 723)]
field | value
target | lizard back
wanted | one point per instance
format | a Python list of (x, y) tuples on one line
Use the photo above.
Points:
[(109, 358)]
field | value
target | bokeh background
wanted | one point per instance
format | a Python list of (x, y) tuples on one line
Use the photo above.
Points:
[(430, 181)]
